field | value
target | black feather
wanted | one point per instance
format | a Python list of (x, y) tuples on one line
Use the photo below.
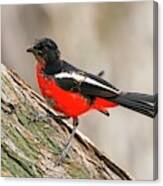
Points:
[(142, 103)]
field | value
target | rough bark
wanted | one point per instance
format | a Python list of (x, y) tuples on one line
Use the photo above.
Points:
[(31, 147)]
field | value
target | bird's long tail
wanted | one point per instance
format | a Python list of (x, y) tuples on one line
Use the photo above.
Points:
[(142, 103)]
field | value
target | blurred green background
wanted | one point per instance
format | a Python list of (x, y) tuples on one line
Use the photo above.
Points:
[(115, 37)]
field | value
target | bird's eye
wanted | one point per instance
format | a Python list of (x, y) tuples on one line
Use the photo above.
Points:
[(39, 47)]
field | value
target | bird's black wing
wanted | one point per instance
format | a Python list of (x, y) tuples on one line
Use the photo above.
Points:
[(75, 80), (96, 86)]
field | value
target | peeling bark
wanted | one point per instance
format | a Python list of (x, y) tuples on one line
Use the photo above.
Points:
[(31, 148)]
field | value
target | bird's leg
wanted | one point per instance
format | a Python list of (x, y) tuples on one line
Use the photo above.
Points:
[(68, 144), (101, 73)]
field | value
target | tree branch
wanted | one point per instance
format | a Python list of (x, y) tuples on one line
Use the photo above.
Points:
[(31, 148)]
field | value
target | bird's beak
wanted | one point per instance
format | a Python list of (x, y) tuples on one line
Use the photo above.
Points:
[(31, 49)]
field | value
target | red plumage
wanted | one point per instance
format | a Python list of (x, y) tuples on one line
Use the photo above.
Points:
[(70, 103)]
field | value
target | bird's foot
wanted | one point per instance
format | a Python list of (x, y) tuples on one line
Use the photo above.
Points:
[(63, 155), (39, 117), (42, 117)]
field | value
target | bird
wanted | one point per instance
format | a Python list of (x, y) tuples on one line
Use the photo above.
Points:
[(73, 92)]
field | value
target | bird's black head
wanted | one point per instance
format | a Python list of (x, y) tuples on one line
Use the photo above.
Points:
[(45, 48)]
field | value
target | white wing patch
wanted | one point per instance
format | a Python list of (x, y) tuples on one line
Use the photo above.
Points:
[(81, 78), (96, 83), (73, 75)]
